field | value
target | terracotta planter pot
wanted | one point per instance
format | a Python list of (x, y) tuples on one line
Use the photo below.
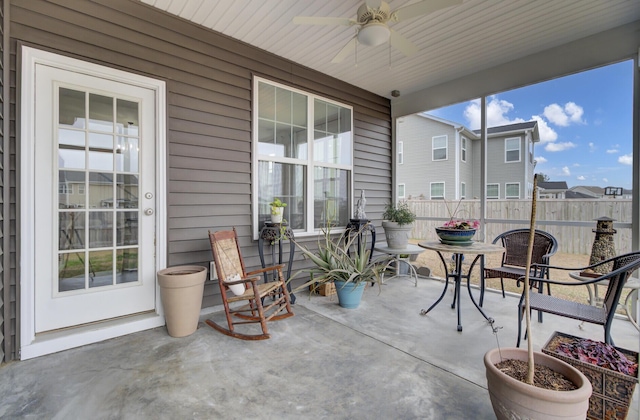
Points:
[(181, 290), (512, 399)]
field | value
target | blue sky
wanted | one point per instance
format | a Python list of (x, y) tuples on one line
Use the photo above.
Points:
[(585, 123)]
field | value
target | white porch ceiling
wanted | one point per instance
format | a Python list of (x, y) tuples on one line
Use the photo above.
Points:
[(452, 43)]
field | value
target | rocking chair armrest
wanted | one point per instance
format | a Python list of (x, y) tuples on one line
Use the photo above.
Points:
[(266, 269), (244, 280)]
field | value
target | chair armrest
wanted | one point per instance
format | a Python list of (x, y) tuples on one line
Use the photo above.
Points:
[(266, 269), (244, 280)]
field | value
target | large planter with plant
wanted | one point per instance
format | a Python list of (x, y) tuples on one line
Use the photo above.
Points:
[(181, 290), (277, 210), (334, 262), (514, 399), (522, 392), (397, 224), (612, 371)]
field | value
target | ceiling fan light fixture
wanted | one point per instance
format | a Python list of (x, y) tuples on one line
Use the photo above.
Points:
[(373, 34)]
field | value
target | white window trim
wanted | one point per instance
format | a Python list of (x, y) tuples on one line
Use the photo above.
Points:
[(308, 163), (506, 141), (506, 185), (446, 148), (444, 191), (400, 153), (491, 197), (403, 187), (463, 149)]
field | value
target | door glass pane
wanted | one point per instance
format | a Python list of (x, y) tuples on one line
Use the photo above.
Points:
[(100, 190), (71, 159), (71, 271), (127, 192), (100, 229), (127, 151), (71, 190), (100, 268), (71, 226), (127, 119), (71, 138), (100, 113), (100, 161), (127, 228), (126, 265), (71, 108)]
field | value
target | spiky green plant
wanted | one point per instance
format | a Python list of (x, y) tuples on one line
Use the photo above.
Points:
[(333, 261)]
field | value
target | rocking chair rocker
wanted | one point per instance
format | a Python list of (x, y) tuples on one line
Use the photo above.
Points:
[(274, 294)]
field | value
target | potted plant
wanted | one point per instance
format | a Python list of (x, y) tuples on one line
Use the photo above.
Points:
[(397, 224), (277, 210), (335, 263), (457, 231), (511, 371)]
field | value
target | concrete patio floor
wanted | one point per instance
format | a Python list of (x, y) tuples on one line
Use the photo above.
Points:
[(381, 361)]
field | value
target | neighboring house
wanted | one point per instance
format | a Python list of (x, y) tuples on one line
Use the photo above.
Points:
[(588, 191), (552, 189), (439, 159)]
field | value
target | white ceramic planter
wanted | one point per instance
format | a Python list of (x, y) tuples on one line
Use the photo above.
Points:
[(397, 235), (181, 290), (277, 217)]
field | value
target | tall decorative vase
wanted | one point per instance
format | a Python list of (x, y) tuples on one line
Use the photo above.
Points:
[(349, 294), (181, 290)]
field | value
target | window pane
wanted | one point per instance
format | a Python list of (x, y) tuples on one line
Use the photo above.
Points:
[(69, 190), (71, 108), (100, 229), (492, 191), (127, 154), (126, 265), (127, 192), (283, 105), (332, 135), (100, 112), (287, 182), (512, 190), (331, 197), (437, 190), (101, 268), (127, 117), (439, 154), (513, 156), (127, 228), (100, 190), (71, 138), (267, 101), (71, 227)]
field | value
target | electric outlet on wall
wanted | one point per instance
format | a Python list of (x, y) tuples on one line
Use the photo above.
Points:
[(212, 271)]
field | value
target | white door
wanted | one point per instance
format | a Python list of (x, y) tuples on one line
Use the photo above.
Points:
[(94, 199)]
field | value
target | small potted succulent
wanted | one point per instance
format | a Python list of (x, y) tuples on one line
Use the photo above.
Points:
[(397, 224), (277, 210)]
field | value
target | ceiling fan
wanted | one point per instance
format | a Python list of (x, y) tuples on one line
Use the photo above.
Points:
[(373, 24)]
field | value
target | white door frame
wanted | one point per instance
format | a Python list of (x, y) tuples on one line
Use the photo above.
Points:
[(30, 345)]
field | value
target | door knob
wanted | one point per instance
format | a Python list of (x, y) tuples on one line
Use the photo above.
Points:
[(148, 212)]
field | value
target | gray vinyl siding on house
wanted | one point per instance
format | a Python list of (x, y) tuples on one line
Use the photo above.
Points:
[(209, 95), (501, 172), (419, 170)]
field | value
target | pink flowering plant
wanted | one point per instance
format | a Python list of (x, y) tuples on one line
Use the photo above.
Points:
[(457, 223)]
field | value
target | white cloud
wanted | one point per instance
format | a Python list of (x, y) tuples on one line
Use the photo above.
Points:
[(581, 178), (626, 159), (605, 180), (496, 113), (547, 134), (612, 151), (541, 159), (592, 147), (559, 147), (566, 171), (571, 113)]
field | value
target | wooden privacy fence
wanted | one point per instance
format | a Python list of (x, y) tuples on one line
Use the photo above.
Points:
[(571, 221)]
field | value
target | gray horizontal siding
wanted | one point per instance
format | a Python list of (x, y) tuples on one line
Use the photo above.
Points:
[(209, 82)]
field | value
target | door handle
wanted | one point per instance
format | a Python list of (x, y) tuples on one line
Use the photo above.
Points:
[(148, 212)]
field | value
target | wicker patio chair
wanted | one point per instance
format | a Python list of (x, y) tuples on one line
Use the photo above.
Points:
[(514, 259), (259, 302), (623, 266)]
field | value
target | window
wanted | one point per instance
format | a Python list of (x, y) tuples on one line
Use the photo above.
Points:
[(463, 190), (463, 149), (512, 149), (493, 191), (439, 145), (81, 189), (401, 190), (512, 190), (64, 188), (400, 153), (437, 190), (303, 155)]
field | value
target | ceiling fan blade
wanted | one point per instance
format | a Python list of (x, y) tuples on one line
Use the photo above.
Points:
[(373, 4), (345, 51), (422, 8), (402, 44), (317, 20)]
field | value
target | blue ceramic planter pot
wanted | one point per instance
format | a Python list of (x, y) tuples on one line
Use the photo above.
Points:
[(349, 295), (455, 236)]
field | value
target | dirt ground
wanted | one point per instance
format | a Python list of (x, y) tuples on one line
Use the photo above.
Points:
[(578, 294)]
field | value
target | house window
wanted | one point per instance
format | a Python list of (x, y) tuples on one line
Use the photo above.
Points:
[(303, 155), (512, 149), (401, 190), (437, 190), (463, 190), (64, 188), (493, 191), (81, 189), (400, 153), (439, 145), (512, 190), (463, 149)]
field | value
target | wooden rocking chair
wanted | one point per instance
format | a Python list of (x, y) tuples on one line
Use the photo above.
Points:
[(263, 302)]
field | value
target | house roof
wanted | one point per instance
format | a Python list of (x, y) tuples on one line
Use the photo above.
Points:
[(553, 185), (576, 195), (490, 46)]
